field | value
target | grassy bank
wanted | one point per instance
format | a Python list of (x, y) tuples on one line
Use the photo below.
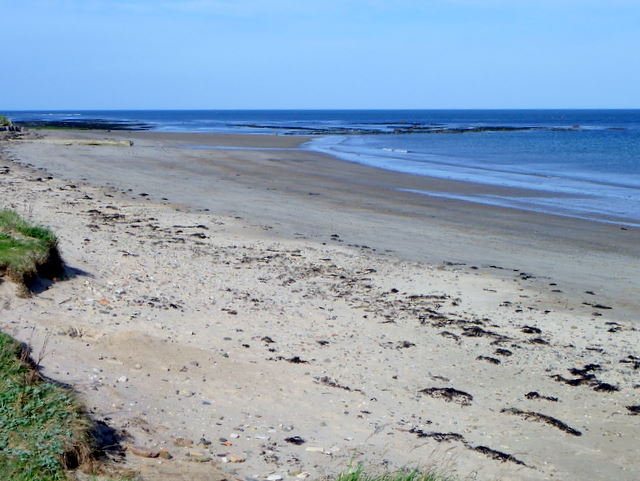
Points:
[(27, 250), (42, 428)]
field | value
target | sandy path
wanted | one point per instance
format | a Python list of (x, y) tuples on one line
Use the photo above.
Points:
[(199, 325)]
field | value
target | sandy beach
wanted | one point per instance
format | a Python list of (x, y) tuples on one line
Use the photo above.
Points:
[(285, 313)]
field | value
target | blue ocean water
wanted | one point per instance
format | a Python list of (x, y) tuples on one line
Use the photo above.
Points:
[(581, 163)]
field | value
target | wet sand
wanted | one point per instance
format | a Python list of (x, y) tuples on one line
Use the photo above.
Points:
[(299, 313)]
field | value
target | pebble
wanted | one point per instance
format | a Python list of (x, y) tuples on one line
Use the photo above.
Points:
[(198, 457), (123, 379), (274, 477), (182, 442), (164, 454), (143, 452), (313, 449)]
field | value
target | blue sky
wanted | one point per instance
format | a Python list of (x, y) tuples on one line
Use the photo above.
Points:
[(254, 54)]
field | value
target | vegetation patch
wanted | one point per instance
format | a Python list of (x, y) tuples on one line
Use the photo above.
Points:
[(4, 121), (27, 250), (42, 427), (360, 474)]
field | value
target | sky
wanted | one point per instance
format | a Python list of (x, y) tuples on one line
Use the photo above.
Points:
[(319, 54)]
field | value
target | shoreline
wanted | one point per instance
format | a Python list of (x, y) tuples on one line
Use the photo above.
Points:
[(579, 255), (505, 193), (277, 314)]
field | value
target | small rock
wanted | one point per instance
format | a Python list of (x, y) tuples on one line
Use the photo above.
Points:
[(123, 379), (236, 459), (164, 454), (198, 457), (143, 452), (303, 475), (182, 443), (274, 477), (313, 449)]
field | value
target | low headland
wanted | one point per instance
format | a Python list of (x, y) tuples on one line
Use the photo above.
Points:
[(273, 313)]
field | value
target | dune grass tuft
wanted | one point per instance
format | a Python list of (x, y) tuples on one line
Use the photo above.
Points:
[(4, 121), (27, 249), (361, 474), (42, 427)]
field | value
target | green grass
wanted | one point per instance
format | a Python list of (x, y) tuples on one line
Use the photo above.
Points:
[(360, 474), (4, 121), (42, 426), (27, 249)]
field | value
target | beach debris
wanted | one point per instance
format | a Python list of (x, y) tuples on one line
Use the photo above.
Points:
[(327, 381), (633, 360), (292, 360), (449, 394), (597, 306), (573, 382), (455, 437), (450, 335), (503, 352), (531, 330), (543, 418), (439, 437), (585, 376), (476, 331), (585, 370), (296, 360), (536, 395), (634, 410), (539, 340), (492, 360), (604, 387), (297, 440), (498, 455)]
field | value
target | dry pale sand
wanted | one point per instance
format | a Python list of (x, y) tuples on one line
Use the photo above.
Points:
[(313, 316)]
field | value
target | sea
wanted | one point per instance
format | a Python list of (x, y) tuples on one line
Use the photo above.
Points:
[(579, 163)]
